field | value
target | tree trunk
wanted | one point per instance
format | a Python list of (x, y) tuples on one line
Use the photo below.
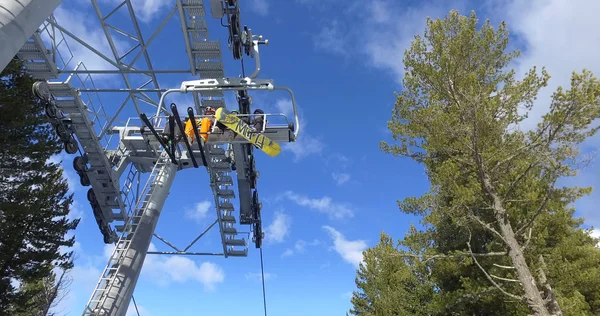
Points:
[(550, 298), (532, 293)]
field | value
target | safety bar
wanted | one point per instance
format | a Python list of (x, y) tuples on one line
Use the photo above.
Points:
[(256, 55), (162, 119), (231, 84)]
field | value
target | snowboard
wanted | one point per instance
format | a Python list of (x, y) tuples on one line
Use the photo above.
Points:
[(259, 140)]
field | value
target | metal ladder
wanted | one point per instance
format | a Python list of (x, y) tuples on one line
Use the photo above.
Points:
[(108, 279), (100, 173), (221, 183)]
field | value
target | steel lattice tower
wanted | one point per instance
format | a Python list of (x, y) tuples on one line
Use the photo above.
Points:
[(126, 166)]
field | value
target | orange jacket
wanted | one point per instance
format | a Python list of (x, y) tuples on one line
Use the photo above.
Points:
[(189, 128), (205, 126)]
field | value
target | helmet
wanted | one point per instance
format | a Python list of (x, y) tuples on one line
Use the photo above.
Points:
[(235, 112), (258, 111), (209, 110)]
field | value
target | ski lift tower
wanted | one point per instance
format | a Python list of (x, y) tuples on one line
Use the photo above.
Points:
[(129, 166)]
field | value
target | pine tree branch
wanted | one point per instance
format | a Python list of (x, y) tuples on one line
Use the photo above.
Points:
[(521, 177), (520, 298), (487, 226), (503, 267), (537, 213), (448, 256), (553, 132), (528, 238), (504, 279)]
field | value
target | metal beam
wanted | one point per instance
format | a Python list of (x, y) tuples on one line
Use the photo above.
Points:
[(19, 19)]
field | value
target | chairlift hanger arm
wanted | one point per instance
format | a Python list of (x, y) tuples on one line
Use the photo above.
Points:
[(232, 84)]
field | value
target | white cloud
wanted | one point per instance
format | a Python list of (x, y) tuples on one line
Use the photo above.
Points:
[(596, 234), (80, 25), (178, 269), (108, 250), (573, 26), (568, 43), (383, 38), (350, 250), (76, 211), (257, 276), (305, 145), (261, 7), (66, 163), (199, 211), (340, 177), (83, 278), (323, 205), (299, 247), (145, 10), (288, 252), (331, 38), (279, 228)]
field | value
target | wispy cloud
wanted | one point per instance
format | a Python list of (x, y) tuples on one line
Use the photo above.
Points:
[(306, 144), (145, 10), (337, 165), (260, 7), (324, 205), (340, 177), (385, 28), (199, 212), (596, 234), (257, 276), (573, 24), (89, 31), (69, 174), (350, 250), (176, 269), (299, 247), (279, 229)]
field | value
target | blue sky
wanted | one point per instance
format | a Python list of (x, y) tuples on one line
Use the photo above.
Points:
[(328, 196)]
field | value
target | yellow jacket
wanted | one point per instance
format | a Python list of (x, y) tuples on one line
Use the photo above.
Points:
[(189, 128), (205, 126)]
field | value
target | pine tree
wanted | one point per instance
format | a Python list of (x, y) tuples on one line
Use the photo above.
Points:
[(34, 198), (499, 234), (390, 287), (44, 295)]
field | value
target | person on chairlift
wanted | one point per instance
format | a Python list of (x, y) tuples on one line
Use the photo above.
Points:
[(207, 122), (189, 129), (258, 120), (171, 135)]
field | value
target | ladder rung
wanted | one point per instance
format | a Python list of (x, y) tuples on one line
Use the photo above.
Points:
[(230, 230), (225, 206), (235, 242), (228, 219), (238, 253), (225, 180), (225, 193)]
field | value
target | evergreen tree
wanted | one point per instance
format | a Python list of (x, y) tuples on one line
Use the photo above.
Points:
[(500, 236), (44, 294), (390, 287), (34, 198)]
